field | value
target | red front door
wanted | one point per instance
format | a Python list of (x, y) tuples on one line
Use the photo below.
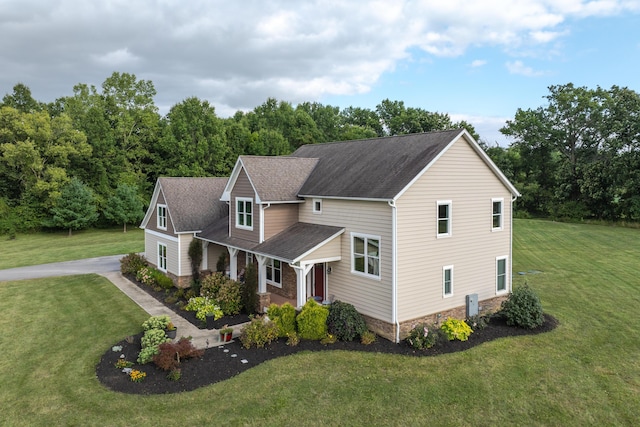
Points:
[(318, 281)]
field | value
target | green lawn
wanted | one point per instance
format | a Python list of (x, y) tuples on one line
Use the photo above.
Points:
[(586, 372), (43, 248)]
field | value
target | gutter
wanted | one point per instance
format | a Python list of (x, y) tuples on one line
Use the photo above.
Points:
[(513, 199)]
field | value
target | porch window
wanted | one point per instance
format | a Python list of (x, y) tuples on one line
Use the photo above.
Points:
[(244, 213), (444, 218), (274, 272), (447, 281), (366, 255), (162, 217), (496, 216), (501, 274), (162, 257)]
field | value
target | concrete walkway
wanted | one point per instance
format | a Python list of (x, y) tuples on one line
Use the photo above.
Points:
[(201, 338)]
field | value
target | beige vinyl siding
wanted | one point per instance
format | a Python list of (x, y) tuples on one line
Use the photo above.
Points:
[(151, 251), (370, 296), (327, 251), (243, 188), (278, 217), (213, 253), (462, 177), (185, 263)]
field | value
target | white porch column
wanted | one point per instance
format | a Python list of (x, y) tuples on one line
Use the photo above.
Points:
[(301, 282), (262, 273), (233, 263)]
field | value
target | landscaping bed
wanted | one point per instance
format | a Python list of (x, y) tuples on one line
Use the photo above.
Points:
[(218, 365)]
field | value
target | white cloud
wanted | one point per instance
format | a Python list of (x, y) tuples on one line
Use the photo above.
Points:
[(116, 58), (518, 67), (476, 63)]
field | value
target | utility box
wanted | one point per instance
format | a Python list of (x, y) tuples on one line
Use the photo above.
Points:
[(472, 305)]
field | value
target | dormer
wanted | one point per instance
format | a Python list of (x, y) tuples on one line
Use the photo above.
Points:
[(262, 194)]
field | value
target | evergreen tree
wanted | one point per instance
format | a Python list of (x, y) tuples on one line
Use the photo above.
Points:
[(125, 206), (75, 209)]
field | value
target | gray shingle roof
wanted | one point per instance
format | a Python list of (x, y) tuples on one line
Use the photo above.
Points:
[(371, 168), (287, 245), (194, 203), (277, 178)]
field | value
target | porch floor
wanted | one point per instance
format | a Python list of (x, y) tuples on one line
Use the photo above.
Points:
[(277, 299)]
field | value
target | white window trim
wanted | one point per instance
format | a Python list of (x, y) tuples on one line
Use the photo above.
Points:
[(506, 275), (244, 200), (353, 266), (444, 269), (269, 265), (159, 260), (315, 203), (494, 200), (450, 219), (158, 223)]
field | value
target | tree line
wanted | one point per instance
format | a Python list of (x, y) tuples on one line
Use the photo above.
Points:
[(93, 157)]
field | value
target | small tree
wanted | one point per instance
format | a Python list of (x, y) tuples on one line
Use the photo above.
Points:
[(195, 255), (75, 209), (250, 289), (125, 206)]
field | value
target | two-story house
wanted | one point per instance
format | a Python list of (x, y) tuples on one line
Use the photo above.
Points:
[(405, 228)]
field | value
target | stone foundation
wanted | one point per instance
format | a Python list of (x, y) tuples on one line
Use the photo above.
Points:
[(388, 330)]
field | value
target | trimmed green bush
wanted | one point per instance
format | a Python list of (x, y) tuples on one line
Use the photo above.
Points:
[(156, 322), (150, 342), (210, 285), (455, 329), (345, 322), (312, 321), (258, 332), (284, 316), (230, 297), (523, 308), (204, 306), (162, 280)]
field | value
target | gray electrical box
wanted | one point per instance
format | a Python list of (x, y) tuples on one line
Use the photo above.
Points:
[(472, 305)]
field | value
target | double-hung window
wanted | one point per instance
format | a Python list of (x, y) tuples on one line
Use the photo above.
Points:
[(496, 215), (365, 258), (162, 257), (244, 213), (444, 218), (447, 281), (501, 274), (162, 217), (274, 272)]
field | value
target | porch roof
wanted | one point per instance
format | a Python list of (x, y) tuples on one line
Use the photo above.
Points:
[(289, 245)]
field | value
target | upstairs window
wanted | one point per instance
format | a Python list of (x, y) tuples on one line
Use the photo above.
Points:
[(444, 218), (244, 213), (162, 217), (366, 255), (496, 216), (317, 206), (274, 272)]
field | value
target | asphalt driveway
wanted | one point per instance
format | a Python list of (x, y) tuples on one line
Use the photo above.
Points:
[(98, 265)]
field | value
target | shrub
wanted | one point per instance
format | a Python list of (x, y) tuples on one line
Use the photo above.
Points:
[(312, 321), (293, 339), (456, 329), (123, 363), (131, 263), (523, 308), (171, 354), (156, 322), (150, 342), (146, 276), (250, 289), (210, 285), (230, 297), (146, 354), (204, 306), (195, 256), (328, 339), (174, 375), (423, 336), (345, 322), (367, 338), (477, 322), (284, 316), (162, 280), (221, 264), (258, 332)]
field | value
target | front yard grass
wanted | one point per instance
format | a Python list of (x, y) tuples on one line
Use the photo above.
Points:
[(43, 248), (585, 372)]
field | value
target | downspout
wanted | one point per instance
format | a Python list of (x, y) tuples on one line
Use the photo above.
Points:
[(511, 247), (394, 272)]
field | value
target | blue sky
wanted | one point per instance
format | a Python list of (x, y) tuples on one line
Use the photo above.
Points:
[(479, 61)]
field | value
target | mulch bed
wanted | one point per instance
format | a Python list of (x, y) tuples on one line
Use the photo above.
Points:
[(221, 363)]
